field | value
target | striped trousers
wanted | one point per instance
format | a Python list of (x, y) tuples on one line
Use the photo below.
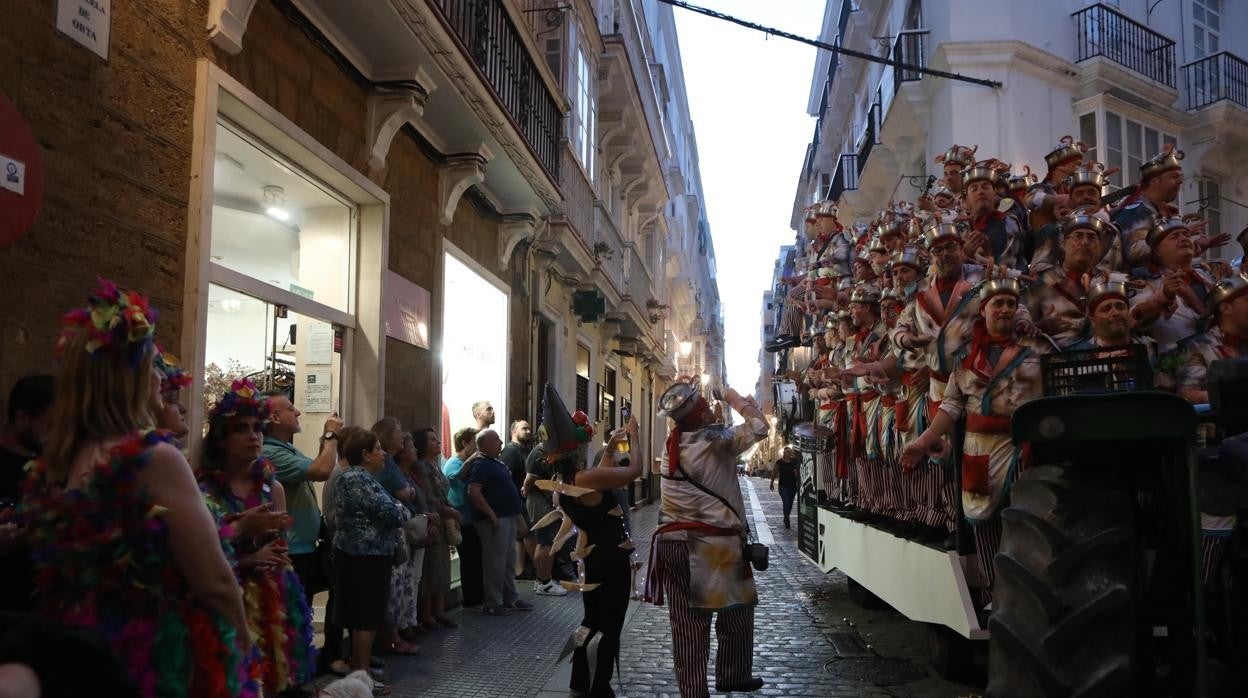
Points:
[(691, 631), (987, 543)]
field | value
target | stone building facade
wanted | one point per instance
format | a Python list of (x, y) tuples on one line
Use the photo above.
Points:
[(291, 180)]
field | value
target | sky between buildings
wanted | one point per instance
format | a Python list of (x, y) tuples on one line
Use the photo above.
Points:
[(747, 94)]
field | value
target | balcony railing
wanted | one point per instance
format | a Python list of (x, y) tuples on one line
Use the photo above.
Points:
[(909, 49), (1215, 78), (493, 42), (870, 136), (845, 178), (1103, 31), (639, 287), (607, 238)]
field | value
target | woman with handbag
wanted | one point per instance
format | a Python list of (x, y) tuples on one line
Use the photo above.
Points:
[(401, 611), (445, 522), (367, 523)]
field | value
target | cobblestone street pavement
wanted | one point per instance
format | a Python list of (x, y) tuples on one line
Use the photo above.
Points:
[(805, 644)]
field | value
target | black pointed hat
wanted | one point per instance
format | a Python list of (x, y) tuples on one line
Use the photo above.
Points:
[(565, 432)]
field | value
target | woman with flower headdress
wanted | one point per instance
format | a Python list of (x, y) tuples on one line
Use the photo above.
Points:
[(121, 540), (241, 490)]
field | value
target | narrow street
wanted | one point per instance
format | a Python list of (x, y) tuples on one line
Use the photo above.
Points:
[(810, 640)]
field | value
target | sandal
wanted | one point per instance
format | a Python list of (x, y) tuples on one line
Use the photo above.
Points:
[(380, 689), (402, 647)]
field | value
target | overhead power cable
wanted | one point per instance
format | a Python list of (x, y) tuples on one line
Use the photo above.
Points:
[(831, 47)]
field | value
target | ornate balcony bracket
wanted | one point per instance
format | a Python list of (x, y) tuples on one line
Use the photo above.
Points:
[(388, 110), (227, 22), (455, 177), (511, 231)]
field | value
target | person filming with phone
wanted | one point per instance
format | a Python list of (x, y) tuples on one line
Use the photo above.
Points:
[(701, 557)]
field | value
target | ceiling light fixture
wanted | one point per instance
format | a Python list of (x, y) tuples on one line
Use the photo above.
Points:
[(275, 203)]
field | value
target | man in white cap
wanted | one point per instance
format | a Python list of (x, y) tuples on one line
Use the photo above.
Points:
[(697, 556)]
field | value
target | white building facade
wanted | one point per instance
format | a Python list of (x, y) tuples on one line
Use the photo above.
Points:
[(1124, 77)]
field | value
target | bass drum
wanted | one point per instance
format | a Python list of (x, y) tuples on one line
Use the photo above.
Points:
[(788, 402), (812, 438)]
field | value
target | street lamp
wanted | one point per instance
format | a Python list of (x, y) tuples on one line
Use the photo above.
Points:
[(686, 348)]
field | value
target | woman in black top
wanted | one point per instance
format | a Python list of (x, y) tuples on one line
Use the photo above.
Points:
[(599, 517), (786, 469)]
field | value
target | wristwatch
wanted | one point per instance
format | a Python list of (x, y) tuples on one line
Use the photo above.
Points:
[(329, 435)]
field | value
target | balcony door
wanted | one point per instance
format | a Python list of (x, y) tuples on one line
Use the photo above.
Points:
[(1206, 76)]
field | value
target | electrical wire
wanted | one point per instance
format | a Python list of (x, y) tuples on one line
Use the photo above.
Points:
[(831, 47)]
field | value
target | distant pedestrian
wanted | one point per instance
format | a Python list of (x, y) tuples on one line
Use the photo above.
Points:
[(435, 583), (786, 470)]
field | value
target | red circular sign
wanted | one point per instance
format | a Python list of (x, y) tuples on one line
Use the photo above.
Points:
[(21, 174)]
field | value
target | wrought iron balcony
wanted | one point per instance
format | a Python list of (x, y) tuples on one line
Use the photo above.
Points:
[(845, 178), (488, 36), (1103, 31), (909, 49), (1215, 78), (870, 136)]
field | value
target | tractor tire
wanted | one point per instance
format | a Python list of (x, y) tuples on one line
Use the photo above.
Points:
[(1063, 621)]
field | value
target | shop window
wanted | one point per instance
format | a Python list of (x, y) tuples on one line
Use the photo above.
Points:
[(607, 409), (277, 349), (277, 224), (582, 378)]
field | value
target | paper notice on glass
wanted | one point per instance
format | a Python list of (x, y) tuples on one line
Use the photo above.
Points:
[(320, 343), (318, 394)]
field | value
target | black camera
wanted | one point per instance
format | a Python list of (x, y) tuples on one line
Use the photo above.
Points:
[(757, 555)]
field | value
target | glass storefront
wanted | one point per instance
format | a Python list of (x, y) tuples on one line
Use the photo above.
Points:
[(277, 225), (474, 346), (286, 233)]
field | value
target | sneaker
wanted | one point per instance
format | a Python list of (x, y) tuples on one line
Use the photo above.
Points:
[(551, 588), (521, 605)]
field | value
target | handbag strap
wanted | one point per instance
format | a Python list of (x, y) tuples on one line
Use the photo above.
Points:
[(749, 532)]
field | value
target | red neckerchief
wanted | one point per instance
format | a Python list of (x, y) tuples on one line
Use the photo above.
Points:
[(982, 220), (981, 342)]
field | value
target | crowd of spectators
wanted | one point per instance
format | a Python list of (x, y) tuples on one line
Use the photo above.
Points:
[(225, 548)]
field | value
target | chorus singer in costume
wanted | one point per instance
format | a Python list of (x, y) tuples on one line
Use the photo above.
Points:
[(697, 560)]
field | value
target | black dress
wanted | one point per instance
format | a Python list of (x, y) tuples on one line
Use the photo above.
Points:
[(605, 606)]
